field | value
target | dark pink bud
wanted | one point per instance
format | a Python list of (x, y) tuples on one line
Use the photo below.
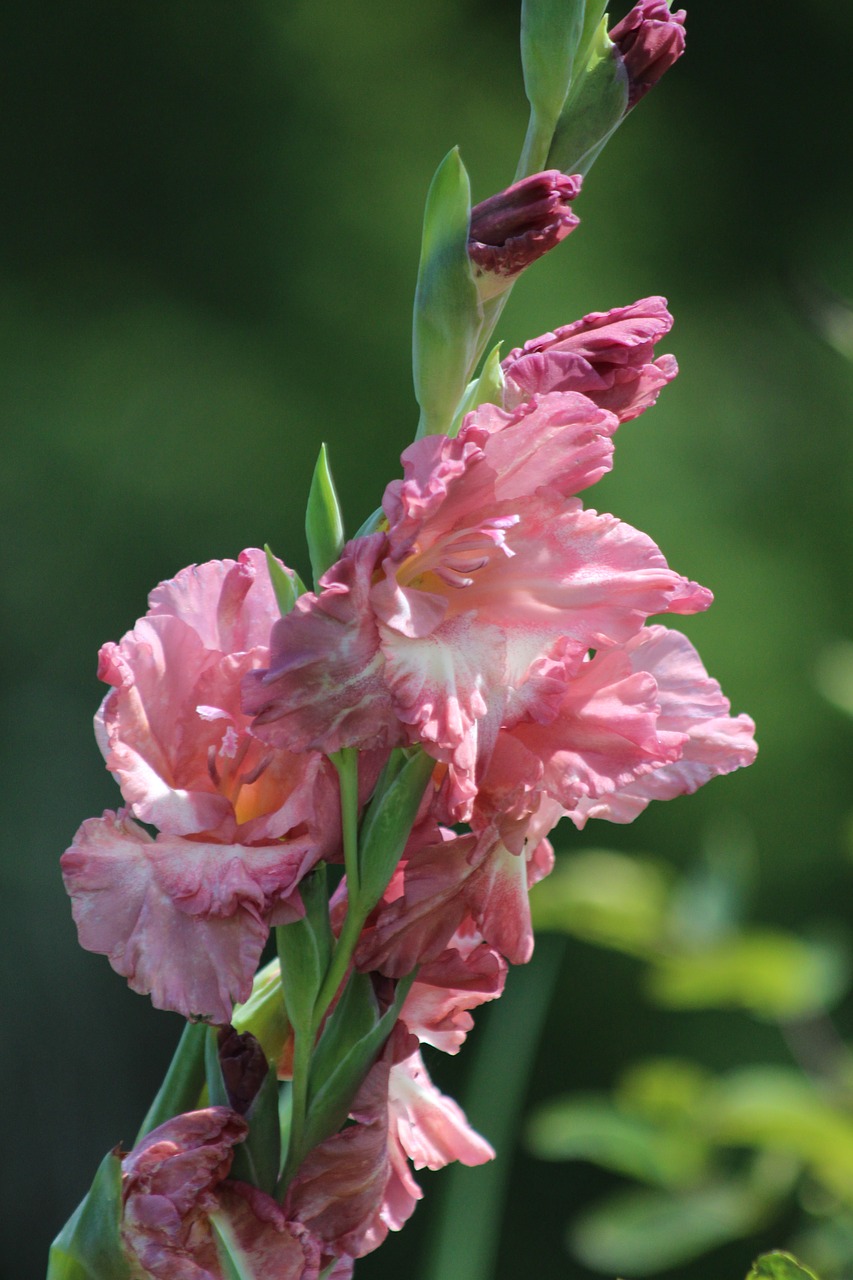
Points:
[(649, 39), (515, 227), (243, 1064)]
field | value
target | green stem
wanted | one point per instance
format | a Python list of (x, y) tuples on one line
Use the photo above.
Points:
[(346, 763), (183, 1082), (303, 1047), (537, 144)]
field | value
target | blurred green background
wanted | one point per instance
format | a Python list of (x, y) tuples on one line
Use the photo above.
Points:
[(209, 227)]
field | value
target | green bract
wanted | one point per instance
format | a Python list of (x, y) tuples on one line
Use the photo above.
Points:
[(448, 313), (324, 526)]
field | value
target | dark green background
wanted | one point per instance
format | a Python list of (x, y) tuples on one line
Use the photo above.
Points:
[(209, 225)]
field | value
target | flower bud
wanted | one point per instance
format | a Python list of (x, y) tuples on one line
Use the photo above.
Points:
[(243, 1064), (649, 39), (515, 227)]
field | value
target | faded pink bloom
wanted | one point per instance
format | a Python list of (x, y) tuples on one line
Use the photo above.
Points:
[(513, 228), (175, 1179), (650, 39), (608, 356), (691, 704), (465, 975), (185, 916), (443, 623), (357, 1185)]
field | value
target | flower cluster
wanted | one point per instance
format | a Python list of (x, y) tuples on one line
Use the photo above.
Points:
[(476, 665)]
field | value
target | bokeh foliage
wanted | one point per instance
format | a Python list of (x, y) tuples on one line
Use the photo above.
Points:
[(209, 229)]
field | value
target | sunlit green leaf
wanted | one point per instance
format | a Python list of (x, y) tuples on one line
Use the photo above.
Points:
[(603, 897), (666, 1090), (286, 583), (488, 388), (589, 1127), (89, 1245), (637, 1233), (779, 1266), (781, 1110), (773, 974)]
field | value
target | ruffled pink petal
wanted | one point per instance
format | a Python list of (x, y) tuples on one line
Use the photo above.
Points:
[(560, 440), (691, 703), (436, 1008), (608, 356), (271, 1244), (182, 920), (324, 687), (230, 605), (430, 1128), (606, 733)]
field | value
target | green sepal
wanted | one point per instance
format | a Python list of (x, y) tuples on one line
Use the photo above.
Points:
[(234, 1263), (779, 1266), (183, 1082), (448, 313), (89, 1245), (264, 1014), (304, 950), (488, 388), (332, 1101), (286, 583), (258, 1159), (324, 525), (353, 1017), (386, 828), (550, 33), (594, 109), (217, 1094)]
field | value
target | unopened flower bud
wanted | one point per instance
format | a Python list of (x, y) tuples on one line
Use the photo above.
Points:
[(649, 39), (243, 1064), (515, 227)]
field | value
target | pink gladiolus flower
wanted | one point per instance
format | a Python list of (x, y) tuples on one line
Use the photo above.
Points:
[(650, 39), (185, 916), (431, 632), (512, 229), (608, 356), (175, 1179), (357, 1185)]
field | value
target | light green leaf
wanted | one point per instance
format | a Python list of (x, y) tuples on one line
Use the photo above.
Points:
[(778, 1109), (589, 1127), (304, 949), (550, 34), (448, 313), (779, 1266), (89, 1245), (774, 975), (637, 1233), (264, 1013), (606, 898), (324, 525)]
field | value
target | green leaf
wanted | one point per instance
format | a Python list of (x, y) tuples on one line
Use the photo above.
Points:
[(594, 109), (257, 1160), (331, 1104), (488, 388), (353, 1017), (286, 583), (778, 1109), (304, 949), (774, 975), (324, 525), (607, 898), (666, 1090), (779, 1266), (89, 1245), (235, 1265), (641, 1232), (183, 1082), (448, 313), (387, 826), (589, 1127)]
